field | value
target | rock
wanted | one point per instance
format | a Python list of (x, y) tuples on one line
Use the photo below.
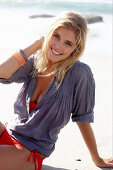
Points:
[(90, 18), (78, 160), (42, 16), (93, 19)]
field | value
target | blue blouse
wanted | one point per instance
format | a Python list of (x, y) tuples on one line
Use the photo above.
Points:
[(75, 98)]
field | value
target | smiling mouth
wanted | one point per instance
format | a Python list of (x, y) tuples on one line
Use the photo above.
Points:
[(55, 52)]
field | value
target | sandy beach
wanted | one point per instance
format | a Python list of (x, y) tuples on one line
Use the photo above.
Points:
[(98, 55)]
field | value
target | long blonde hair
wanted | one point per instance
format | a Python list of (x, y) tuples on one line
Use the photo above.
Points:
[(69, 20)]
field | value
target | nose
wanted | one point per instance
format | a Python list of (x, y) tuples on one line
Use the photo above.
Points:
[(59, 45)]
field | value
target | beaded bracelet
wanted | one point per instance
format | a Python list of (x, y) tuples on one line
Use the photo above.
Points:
[(24, 55), (20, 57)]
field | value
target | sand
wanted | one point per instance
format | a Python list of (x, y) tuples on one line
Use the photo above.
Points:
[(70, 146)]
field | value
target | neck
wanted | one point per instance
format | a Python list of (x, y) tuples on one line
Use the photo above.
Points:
[(47, 73)]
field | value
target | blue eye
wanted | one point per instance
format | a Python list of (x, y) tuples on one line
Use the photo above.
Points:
[(68, 43), (57, 36)]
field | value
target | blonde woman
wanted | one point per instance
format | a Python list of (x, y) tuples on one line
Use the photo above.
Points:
[(56, 86)]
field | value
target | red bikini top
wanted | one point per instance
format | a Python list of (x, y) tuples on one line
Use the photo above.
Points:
[(32, 105)]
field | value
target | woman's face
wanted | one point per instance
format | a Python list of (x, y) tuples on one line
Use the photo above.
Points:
[(61, 44)]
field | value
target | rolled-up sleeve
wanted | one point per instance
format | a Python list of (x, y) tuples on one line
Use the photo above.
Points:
[(84, 99), (21, 74)]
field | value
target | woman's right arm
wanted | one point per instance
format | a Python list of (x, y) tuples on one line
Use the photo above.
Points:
[(11, 65), (8, 68)]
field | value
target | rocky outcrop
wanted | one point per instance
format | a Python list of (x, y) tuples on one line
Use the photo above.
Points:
[(90, 18), (42, 16), (93, 19)]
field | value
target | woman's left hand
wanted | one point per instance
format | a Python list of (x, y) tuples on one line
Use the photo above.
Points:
[(104, 163)]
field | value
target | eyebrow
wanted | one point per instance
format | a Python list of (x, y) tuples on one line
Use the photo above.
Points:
[(66, 40)]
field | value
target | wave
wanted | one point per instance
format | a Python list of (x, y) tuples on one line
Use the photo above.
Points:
[(82, 6), (49, 1)]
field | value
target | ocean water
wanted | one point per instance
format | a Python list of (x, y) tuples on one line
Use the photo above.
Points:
[(55, 6)]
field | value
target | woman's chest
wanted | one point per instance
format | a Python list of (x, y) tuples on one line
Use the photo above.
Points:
[(42, 84)]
